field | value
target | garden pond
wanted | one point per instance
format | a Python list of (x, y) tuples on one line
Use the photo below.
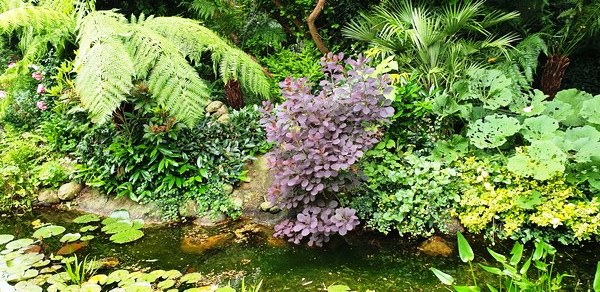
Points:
[(242, 250)]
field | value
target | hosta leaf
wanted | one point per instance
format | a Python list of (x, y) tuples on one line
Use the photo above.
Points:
[(591, 110), (87, 218), (126, 236), (48, 231), (575, 98), (539, 128), (492, 131), (541, 160), (70, 237)]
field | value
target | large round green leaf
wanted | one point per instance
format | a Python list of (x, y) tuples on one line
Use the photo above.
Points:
[(19, 243), (127, 236), (87, 218), (4, 238), (48, 231), (70, 237)]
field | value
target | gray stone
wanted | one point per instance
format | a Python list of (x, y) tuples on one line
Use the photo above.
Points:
[(227, 189), (92, 201), (274, 210), (48, 197), (224, 119), (238, 202), (266, 206), (213, 106), (210, 220), (189, 208), (69, 191)]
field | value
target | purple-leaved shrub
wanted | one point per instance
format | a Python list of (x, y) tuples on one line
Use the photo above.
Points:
[(318, 138)]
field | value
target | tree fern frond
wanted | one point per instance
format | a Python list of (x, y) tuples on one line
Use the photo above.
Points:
[(96, 27), (6, 5), (39, 19), (192, 40), (104, 77)]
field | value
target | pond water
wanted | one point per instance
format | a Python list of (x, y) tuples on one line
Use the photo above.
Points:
[(362, 262)]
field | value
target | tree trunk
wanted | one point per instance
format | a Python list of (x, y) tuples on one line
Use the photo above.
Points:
[(553, 73), (313, 29), (233, 94)]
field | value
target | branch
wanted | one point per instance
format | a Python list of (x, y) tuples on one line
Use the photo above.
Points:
[(313, 29)]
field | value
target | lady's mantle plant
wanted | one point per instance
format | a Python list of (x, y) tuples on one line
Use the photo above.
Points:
[(318, 139)]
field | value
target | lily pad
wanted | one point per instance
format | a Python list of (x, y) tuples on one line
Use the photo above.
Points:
[(127, 236), (70, 237), (50, 269), (98, 279), (191, 278), (171, 274), (150, 278), (117, 276), (4, 238), (48, 231), (72, 247), (27, 287), (166, 284), (87, 237), (19, 243), (87, 218), (117, 227), (41, 264), (27, 274), (88, 228)]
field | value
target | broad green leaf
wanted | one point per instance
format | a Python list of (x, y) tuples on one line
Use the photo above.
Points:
[(171, 274), (492, 270), (117, 227), (558, 110), (576, 138), (517, 253), (224, 289), (70, 237), (444, 278), (539, 128), (88, 228), (464, 249), (498, 257), (117, 276), (466, 288), (492, 131), (492, 288), (87, 237), (126, 236), (490, 86), (529, 105), (87, 218), (575, 98), (48, 231), (166, 284), (591, 110), (27, 287), (541, 160), (530, 201), (525, 267), (4, 238)]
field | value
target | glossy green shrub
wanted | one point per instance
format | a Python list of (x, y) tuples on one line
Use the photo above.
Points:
[(411, 194)]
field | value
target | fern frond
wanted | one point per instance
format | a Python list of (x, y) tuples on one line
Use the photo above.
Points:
[(104, 77), (38, 19), (192, 40), (172, 80)]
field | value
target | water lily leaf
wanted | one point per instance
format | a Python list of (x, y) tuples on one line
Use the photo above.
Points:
[(51, 269), (19, 243), (27, 287), (166, 284), (171, 274), (90, 287), (137, 224), (127, 236), (138, 287), (98, 279), (87, 237), (4, 238), (87, 218), (191, 278), (57, 287), (109, 220), (148, 277), (70, 237), (158, 273), (88, 228), (59, 279), (41, 264), (117, 227), (28, 274), (48, 231), (72, 247), (117, 276)]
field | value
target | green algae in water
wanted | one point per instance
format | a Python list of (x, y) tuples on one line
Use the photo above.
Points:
[(383, 265)]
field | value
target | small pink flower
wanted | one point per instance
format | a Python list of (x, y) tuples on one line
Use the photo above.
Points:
[(2, 94), (41, 89), (37, 76), (12, 64), (41, 105)]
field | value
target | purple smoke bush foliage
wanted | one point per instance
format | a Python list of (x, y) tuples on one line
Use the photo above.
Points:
[(318, 138)]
